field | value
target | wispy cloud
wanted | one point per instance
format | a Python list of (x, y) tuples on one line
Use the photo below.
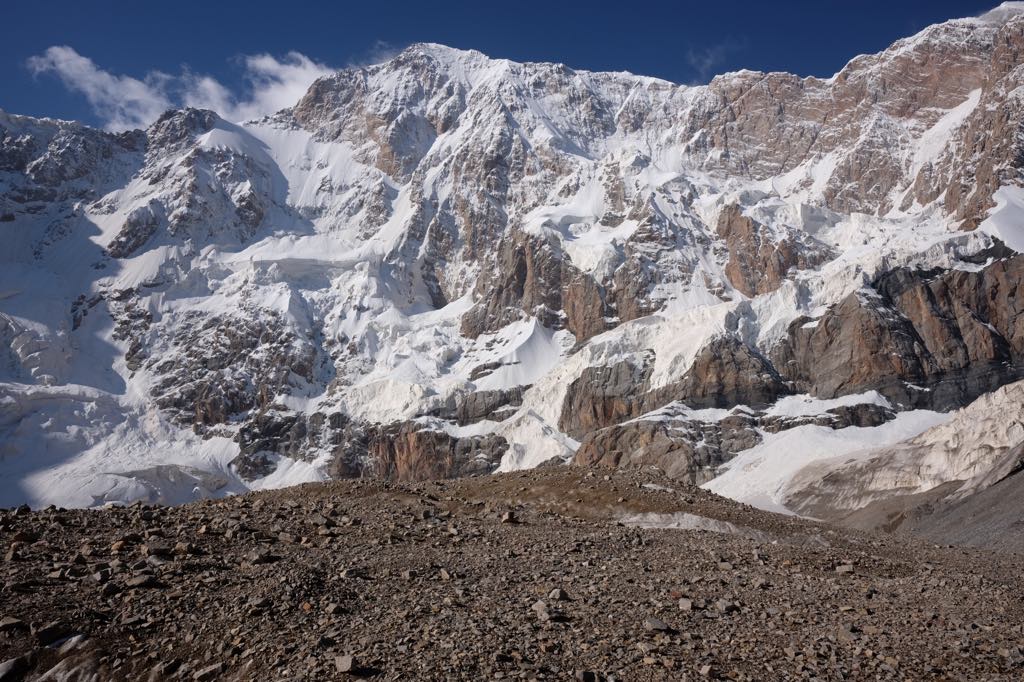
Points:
[(120, 101), (272, 85), (381, 51), (706, 61), (123, 102)]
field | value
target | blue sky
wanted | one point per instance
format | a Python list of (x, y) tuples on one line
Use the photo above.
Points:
[(216, 51)]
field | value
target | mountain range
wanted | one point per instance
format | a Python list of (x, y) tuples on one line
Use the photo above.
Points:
[(805, 294)]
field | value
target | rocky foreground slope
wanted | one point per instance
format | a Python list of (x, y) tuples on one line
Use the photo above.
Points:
[(448, 264), (555, 573)]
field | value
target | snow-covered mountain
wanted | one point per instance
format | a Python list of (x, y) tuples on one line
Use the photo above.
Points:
[(447, 264)]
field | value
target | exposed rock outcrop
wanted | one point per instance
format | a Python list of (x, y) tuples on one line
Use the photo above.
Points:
[(924, 339), (686, 450), (757, 265), (726, 372), (214, 369), (602, 396), (691, 449), (398, 451), (530, 277), (908, 86), (139, 227), (492, 405), (408, 452)]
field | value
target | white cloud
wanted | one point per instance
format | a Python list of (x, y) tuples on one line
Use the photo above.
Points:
[(273, 85), (124, 102), (120, 101), (706, 61), (380, 52)]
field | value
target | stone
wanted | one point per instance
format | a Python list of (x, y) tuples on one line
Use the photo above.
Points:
[(321, 520), (656, 625), (259, 556), (726, 606), (210, 672), (157, 549), (11, 624), (142, 581), (52, 632), (183, 549), (15, 669), (345, 663)]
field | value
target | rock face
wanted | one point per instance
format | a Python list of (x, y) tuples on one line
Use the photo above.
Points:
[(691, 448), (530, 278), (602, 396), (686, 450), (218, 367), (725, 372), (935, 339), (756, 264), (492, 405), (446, 264), (907, 87), (408, 453), (404, 451)]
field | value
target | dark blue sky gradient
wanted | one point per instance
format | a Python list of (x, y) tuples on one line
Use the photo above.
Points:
[(680, 41)]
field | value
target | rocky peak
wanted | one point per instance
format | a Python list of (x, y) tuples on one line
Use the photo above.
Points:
[(176, 129)]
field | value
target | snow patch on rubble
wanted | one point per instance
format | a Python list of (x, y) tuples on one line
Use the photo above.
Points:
[(761, 475)]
